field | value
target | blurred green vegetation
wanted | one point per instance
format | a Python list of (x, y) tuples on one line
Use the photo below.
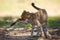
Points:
[(54, 22)]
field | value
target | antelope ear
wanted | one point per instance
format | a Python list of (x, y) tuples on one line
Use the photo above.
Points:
[(21, 19)]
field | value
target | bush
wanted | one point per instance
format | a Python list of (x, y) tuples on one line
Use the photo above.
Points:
[(54, 22)]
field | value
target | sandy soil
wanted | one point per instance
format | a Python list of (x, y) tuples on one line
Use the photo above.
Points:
[(23, 34)]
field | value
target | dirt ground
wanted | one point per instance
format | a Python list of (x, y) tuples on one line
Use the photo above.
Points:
[(23, 34)]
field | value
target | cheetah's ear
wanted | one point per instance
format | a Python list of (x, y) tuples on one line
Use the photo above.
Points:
[(24, 11)]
